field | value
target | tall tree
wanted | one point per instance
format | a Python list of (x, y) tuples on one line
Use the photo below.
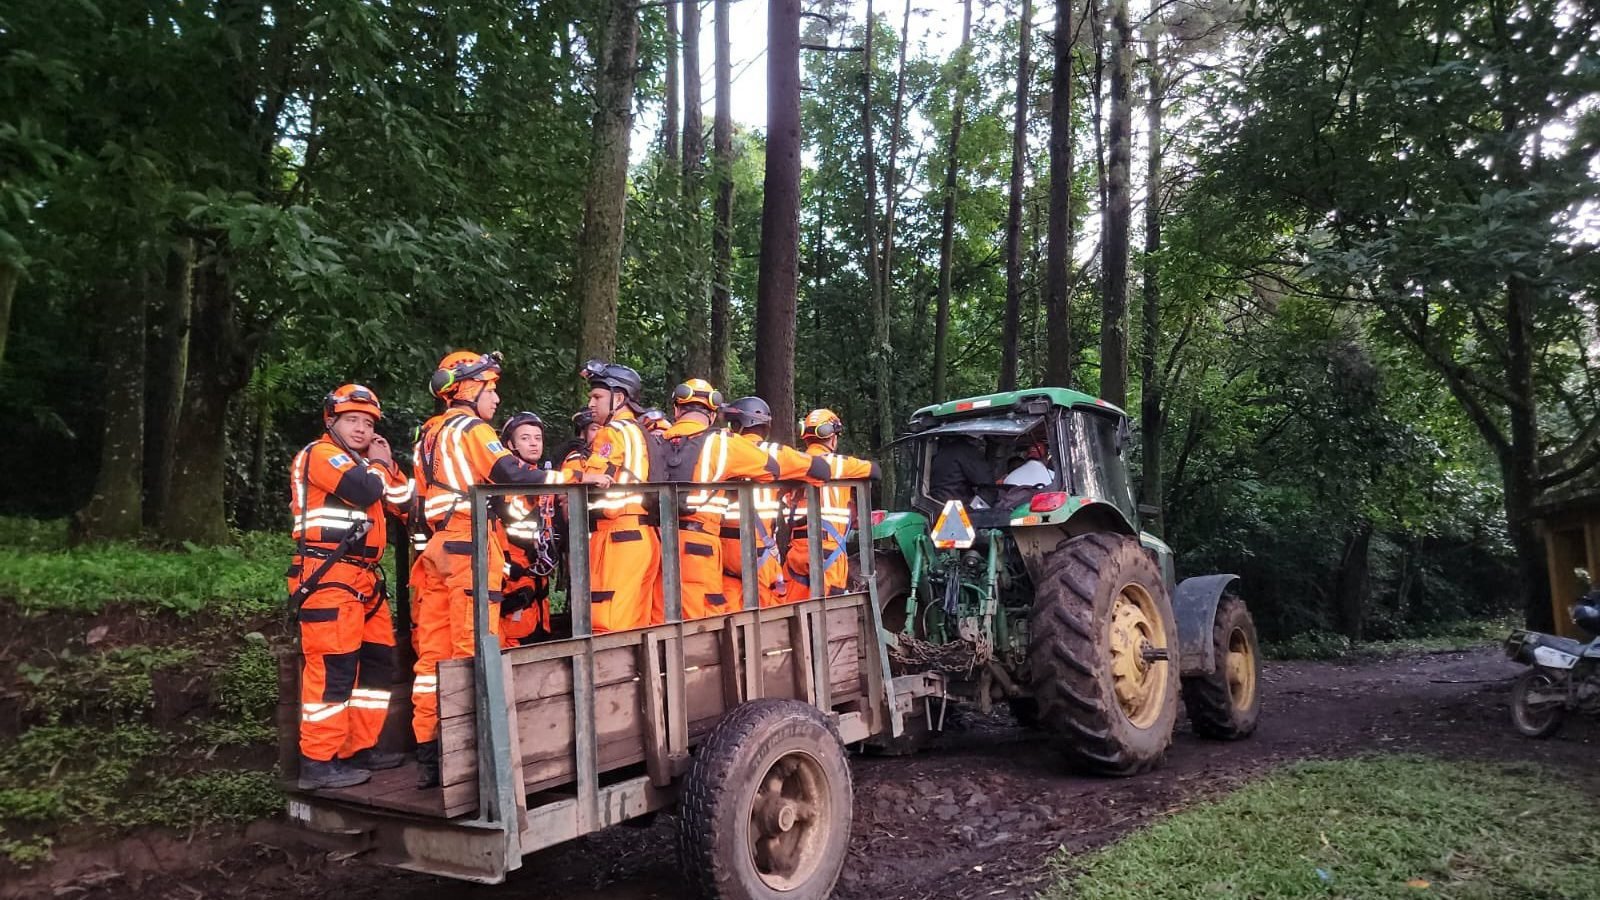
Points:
[(877, 299), (168, 366), (10, 274), (722, 175), (778, 273), (694, 155), (669, 121), (891, 172), (1058, 302), (600, 240), (115, 510), (1012, 328), (1117, 216), (1151, 412), (947, 216)]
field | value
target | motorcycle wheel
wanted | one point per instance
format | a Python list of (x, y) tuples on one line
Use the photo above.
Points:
[(1536, 718)]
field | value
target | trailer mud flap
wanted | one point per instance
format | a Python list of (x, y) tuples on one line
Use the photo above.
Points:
[(1194, 605)]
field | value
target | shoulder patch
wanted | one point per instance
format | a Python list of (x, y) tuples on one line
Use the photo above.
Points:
[(496, 447), (340, 460), (604, 449)]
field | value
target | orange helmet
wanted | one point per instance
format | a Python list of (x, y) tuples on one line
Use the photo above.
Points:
[(459, 371), (697, 392), (350, 398), (654, 419), (819, 425)]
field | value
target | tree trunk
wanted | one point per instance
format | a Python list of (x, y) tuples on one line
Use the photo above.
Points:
[(780, 220), (1353, 586), (219, 364), (10, 274), (1520, 465), (1118, 212), (169, 364), (1019, 158), (877, 302), (722, 174), (1151, 414), (891, 174), (947, 219), (256, 517), (669, 122), (1058, 303), (600, 240), (697, 340), (115, 510)]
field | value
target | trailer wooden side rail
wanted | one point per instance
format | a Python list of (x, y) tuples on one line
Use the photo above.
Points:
[(543, 743)]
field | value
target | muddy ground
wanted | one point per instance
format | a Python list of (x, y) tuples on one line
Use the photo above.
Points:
[(979, 815)]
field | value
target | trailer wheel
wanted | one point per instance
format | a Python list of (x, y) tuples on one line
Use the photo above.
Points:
[(766, 809)]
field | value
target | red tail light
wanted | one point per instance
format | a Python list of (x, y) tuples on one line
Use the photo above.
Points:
[(878, 515), (1047, 502)]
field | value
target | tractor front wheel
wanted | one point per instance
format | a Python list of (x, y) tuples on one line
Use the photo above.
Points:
[(1103, 652)]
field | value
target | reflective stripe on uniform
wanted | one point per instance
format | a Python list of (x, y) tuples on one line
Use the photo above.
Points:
[(316, 712)]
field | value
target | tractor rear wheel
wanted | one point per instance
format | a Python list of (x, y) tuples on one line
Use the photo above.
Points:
[(1103, 652), (1226, 704), (766, 810)]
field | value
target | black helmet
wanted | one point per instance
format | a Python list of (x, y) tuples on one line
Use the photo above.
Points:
[(517, 421), (1586, 614), (615, 377), (581, 419), (748, 412)]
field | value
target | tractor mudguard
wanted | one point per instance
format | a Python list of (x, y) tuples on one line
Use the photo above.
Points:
[(907, 530), (1194, 605)]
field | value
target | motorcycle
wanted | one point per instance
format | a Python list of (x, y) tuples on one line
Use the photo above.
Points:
[(1564, 676)]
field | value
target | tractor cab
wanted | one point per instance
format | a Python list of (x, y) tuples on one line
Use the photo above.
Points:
[(1021, 458)]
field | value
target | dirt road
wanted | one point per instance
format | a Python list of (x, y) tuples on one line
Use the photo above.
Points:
[(980, 814)]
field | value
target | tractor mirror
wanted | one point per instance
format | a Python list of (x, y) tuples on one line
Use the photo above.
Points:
[(1124, 435)]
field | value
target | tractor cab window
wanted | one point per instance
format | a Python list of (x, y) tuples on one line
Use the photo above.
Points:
[(984, 463), (1095, 444)]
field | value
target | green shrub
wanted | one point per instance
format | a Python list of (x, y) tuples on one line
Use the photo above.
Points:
[(114, 685)]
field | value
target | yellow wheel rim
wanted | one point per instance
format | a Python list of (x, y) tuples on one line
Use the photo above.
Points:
[(1136, 630), (1240, 667)]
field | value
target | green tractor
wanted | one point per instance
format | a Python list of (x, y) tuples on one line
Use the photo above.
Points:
[(1012, 563)]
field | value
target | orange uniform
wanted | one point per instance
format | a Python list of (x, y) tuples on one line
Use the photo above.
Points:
[(457, 450), (691, 451), (525, 611), (624, 544), (771, 584), (346, 635), (835, 520)]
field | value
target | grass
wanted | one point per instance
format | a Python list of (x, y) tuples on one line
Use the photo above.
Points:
[(1391, 827), (1459, 636), (40, 573), (100, 753)]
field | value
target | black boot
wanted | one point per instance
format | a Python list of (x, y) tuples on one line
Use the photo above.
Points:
[(376, 760), (316, 775), (428, 765)]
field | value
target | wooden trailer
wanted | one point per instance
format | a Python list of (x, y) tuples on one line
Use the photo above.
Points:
[(743, 719)]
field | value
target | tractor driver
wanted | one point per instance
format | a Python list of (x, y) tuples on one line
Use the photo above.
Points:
[(959, 469)]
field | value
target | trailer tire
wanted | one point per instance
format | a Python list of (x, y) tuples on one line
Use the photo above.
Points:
[(1226, 704), (1103, 653), (766, 807)]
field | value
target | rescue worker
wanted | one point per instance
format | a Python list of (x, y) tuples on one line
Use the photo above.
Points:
[(751, 419), (340, 487), (692, 451), (624, 545), (820, 431), (584, 428), (529, 524), (458, 449), (654, 420)]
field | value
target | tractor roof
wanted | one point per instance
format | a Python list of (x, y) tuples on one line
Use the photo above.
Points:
[(1009, 400)]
